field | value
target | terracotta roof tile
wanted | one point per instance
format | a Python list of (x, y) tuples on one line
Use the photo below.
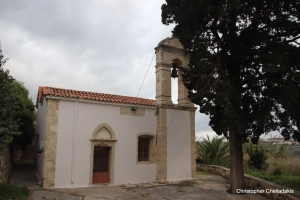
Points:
[(92, 96)]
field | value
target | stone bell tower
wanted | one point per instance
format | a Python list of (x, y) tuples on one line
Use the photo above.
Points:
[(175, 139)]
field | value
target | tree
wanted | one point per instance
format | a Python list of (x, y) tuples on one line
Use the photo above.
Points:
[(213, 152), (8, 125), (26, 115), (16, 110), (244, 67)]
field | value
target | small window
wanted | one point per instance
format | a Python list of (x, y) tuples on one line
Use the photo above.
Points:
[(143, 149)]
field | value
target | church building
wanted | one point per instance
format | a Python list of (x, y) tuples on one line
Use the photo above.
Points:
[(87, 138)]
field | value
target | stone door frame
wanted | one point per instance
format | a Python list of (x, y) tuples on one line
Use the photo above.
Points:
[(105, 143)]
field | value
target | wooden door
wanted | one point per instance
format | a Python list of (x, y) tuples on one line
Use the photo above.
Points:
[(101, 164)]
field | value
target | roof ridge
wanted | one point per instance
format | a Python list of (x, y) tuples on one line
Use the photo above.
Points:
[(93, 96), (48, 87)]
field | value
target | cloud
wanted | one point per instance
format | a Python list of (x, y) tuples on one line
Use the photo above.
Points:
[(100, 46)]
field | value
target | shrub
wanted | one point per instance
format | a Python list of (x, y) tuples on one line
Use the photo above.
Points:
[(277, 171), (257, 156), (8, 191), (213, 152), (258, 159)]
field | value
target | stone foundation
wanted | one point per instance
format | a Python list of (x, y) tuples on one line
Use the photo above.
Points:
[(5, 163), (253, 183)]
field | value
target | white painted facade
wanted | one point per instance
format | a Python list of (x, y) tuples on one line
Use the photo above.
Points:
[(76, 122), (178, 145), (75, 128)]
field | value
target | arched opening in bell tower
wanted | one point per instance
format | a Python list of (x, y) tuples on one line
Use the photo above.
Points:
[(175, 85)]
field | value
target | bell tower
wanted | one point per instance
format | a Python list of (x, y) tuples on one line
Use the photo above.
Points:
[(175, 122), (170, 51)]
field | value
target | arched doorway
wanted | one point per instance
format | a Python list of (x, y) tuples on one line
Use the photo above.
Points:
[(102, 154)]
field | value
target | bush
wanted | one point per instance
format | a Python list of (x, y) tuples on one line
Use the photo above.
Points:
[(277, 171), (213, 152), (8, 191), (258, 155), (258, 159)]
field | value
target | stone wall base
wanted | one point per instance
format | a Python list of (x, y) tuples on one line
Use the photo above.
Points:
[(5, 163)]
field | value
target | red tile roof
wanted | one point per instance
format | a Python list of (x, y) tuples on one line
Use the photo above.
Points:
[(92, 96)]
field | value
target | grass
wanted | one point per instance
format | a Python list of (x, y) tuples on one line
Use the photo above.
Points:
[(8, 191), (288, 166), (290, 181)]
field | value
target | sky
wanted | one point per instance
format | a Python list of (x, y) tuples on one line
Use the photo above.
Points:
[(91, 45)]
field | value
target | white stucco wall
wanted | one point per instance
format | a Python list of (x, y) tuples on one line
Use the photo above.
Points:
[(178, 145), (40, 134), (74, 147)]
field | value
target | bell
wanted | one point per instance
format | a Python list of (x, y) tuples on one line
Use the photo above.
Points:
[(174, 71)]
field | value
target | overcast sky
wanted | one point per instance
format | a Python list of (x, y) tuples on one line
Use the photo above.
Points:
[(92, 45)]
